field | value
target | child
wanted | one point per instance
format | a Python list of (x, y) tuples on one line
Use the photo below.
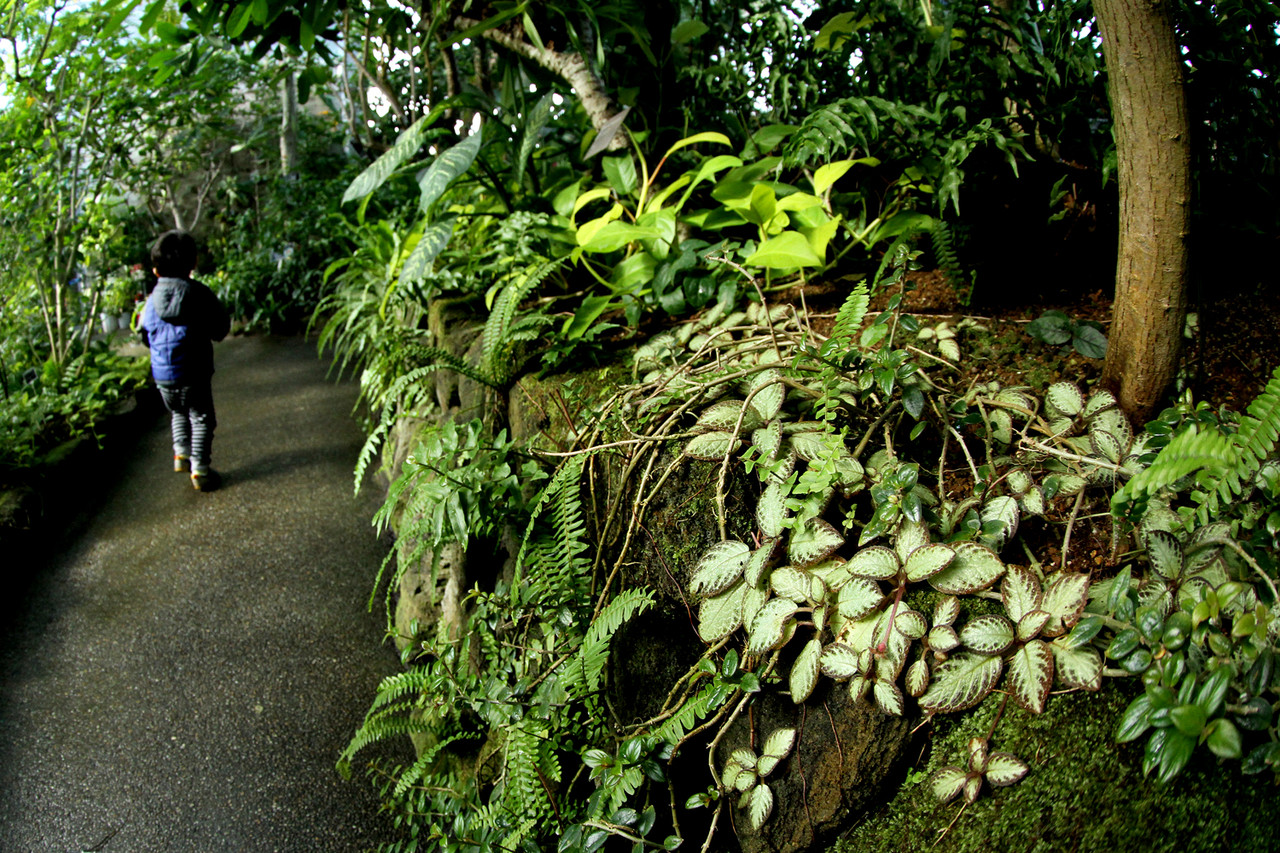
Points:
[(181, 320)]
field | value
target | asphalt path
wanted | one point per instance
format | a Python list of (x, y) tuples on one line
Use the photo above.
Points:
[(179, 671)]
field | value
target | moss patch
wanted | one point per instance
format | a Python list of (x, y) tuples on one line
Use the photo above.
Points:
[(1084, 792)]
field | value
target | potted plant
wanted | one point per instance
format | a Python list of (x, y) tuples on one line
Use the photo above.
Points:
[(117, 302)]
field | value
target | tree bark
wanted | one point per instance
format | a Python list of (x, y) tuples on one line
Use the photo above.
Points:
[(288, 123), (1153, 153)]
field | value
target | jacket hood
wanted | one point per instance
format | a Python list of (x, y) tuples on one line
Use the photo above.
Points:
[(169, 299)]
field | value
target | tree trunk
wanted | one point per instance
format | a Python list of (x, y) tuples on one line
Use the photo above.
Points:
[(1153, 153), (289, 123)]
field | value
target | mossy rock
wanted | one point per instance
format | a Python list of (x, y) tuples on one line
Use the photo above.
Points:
[(1085, 792)]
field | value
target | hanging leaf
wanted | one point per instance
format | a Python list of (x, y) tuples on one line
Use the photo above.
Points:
[(946, 783), (804, 672), (768, 629), (1031, 675), (989, 635), (712, 446), (720, 616), (814, 542), (421, 260), (927, 561), (760, 807), (876, 562), (961, 682), (1004, 769), (840, 661), (858, 597), (776, 747), (719, 567), (1064, 600), (1020, 592), (889, 698), (789, 250), (535, 122), (975, 567), (1080, 667), (448, 166), (405, 147)]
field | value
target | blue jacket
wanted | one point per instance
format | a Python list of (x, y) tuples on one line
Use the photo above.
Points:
[(180, 322)]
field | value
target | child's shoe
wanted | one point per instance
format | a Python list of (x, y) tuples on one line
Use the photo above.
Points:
[(181, 463), (205, 481)]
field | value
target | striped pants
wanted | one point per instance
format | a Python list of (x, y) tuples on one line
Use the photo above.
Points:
[(193, 421)]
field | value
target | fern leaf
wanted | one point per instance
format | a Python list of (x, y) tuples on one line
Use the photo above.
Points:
[(580, 675), (497, 340), (1186, 453)]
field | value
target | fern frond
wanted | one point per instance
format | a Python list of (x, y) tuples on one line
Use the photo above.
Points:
[(416, 770), (850, 316), (560, 558), (948, 260), (1253, 442), (497, 340), (580, 674), (1186, 453), (694, 710), (529, 766), (377, 729)]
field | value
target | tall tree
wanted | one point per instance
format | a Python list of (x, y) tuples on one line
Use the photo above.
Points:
[(1153, 153)]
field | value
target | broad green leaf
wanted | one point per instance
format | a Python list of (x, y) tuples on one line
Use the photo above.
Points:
[(1165, 553), (946, 783), (776, 747), (788, 250), (989, 635), (1135, 720), (720, 616), (719, 568), (760, 806), (1224, 739), (799, 201), (768, 630), (840, 661), (875, 562), (588, 197), (889, 698), (1065, 399), (1168, 751), (587, 230), (447, 167), (927, 561), (858, 597), (1020, 592), (239, 20), (1064, 600), (1004, 769), (708, 136), (961, 682), (405, 147), (1031, 675), (620, 170), (804, 672), (814, 542), (1080, 667), (825, 176), (711, 446), (422, 259), (729, 416), (687, 31), (771, 511), (615, 235), (975, 567)]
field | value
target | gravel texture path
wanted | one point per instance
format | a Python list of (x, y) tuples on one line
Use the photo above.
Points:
[(179, 671)]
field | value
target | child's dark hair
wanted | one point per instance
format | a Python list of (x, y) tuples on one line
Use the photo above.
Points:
[(173, 254)]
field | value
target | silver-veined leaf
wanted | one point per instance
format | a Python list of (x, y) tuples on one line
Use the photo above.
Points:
[(769, 393), (768, 630), (989, 635), (918, 678), (1002, 426), (972, 787), (1065, 399), (446, 168), (1020, 592), (840, 661), (752, 602), (1064, 600), (1099, 401), (946, 610), (889, 698), (910, 624), (999, 521), (804, 672), (1106, 445), (1113, 423), (760, 806), (858, 597), (890, 662), (720, 616), (758, 562), (927, 561), (975, 567), (743, 758), (814, 542), (1165, 553), (1004, 768), (768, 439), (946, 783), (961, 682), (911, 536), (776, 747), (719, 567), (725, 415), (1031, 675), (1031, 624), (712, 446), (943, 638), (771, 511), (876, 562), (859, 686), (790, 583), (810, 446), (1080, 667)]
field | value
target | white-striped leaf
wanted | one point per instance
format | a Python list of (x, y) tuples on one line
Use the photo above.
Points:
[(446, 168), (804, 672), (745, 780), (1080, 667), (889, 698), (712, 446), (918, 678), (910, 624), (744, 758), (1114, 423), (728, 416), (859, 686), (754, 570), (1020, 592), (911, 535), (840, 661), (768, 439), (890, 662), (1032, 503), (946, 783), (1099, 401), (1031, 624), (423, 257), (752, 602), (719, 567), (813, 543), (1165, 553), (876, 562), (768, 631), (771, 511), (999, 521), (1071, 484), (790, 583), (1106, 445), (811, 445), (834, 572), (769, 398), (1064, 600), (1004, 768), (1031, 675), (1002, 426), (1065, 399), (972, 787), (943, 638), (977, 754), (927, 561), (975, 567), (776, 747), (989, 635), (720, 616), (760, 807), (946, 610), (858, 597), (729, 778), (961, 682), (407, 144)]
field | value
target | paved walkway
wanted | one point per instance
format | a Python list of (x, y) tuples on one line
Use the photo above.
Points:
[(182, 670)]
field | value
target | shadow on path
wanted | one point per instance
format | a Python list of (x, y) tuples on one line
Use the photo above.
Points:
[(183, 669)]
